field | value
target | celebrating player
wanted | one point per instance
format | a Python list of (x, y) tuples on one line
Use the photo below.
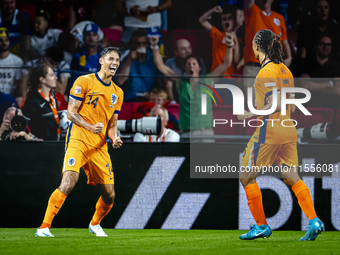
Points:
[(273, 142), (94, 104)]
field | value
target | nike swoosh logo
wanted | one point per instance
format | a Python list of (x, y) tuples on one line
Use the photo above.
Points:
[(259, 233), (42, 105)]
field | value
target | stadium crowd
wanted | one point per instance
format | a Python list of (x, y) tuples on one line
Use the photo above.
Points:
[(46, 45)]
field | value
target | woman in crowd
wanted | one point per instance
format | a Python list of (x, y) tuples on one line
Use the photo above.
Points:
[(41, 105)]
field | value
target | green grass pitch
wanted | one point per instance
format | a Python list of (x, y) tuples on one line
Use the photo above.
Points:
[(152, 241)]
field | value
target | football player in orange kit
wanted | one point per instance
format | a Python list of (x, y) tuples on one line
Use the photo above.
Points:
[(273, 142), (94, 104)]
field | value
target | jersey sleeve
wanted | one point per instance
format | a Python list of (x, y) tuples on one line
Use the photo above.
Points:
[(119, 102), (284, 29), (79, 89)]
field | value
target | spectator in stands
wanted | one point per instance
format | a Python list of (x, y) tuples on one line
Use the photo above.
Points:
[(43, 37), (182, 49), (219, 47), (41, 105), (78, 30), (137, 60), (260, 16), (141, 14), (18, 25), (321, 25), (190, 92), (70, 44), (325, 92), (87, 60), (10, 78), (167, 135), (53, 58), (6, 100)]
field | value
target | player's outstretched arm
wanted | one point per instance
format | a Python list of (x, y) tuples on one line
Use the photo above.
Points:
[(112, 132), (204, 18), (76, 118)]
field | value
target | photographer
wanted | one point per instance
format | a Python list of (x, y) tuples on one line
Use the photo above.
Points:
[(6, 131)]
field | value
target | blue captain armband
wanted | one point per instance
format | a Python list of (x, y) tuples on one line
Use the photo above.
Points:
[(77, 98)]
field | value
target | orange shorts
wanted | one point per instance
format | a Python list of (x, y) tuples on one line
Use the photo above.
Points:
[(95, 162), (260, 154)]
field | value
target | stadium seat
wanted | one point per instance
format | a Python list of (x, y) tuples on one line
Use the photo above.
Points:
[(174, 110), (114, 35), (127, 109), (319, 115), (225, 112), (200, 42)]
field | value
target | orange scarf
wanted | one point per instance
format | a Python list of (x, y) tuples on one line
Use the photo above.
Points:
[(53, 106)]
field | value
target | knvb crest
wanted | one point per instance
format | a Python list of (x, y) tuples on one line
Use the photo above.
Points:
[(114, 98)]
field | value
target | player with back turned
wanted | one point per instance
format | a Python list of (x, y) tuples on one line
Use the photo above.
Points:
[(94, 104), (273, 142)]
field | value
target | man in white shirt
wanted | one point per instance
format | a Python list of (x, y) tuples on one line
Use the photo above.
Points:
[(10, 74), (167, 135)]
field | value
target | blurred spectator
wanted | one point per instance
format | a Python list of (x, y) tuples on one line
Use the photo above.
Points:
[(6, 132), (79, 29), (41, 105), (167, 135), (137, 60), (10, 77), (219, 47), (190, 94), (6, 100), (260, 16), (141, 14), (43, 37), (53, 58), (182, 49), (87, 60), (321, 25), (70, 44), (18, 25), (325, 92)]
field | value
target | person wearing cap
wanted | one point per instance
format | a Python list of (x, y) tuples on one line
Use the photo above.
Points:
[(18, 24), (87, 59), (9, 77), (43, 36)]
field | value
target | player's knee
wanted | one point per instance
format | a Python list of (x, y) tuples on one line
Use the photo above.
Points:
[(246, 181), (109, 198), (289, 181), (67, 184)]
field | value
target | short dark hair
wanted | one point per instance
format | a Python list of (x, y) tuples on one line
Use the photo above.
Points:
[(66, 41), (318, 39), (270, 45), (139, 33), (230, 9), (108, 50), (195, 57), (55, 53)]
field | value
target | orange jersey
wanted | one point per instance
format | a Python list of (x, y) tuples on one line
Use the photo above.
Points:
[(99, 102), (273, 132), (219, 50), (255, 20)]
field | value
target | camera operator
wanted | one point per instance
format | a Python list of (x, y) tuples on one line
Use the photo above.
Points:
[(6, 131)]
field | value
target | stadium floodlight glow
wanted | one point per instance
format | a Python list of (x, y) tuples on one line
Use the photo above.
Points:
[(238, 100)]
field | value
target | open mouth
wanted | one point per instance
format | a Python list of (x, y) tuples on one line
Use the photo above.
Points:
[(113, 68)]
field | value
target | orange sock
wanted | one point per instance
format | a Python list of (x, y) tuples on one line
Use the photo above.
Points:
[(102, 209), (254, 197), (54, 203), (305, 200)]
